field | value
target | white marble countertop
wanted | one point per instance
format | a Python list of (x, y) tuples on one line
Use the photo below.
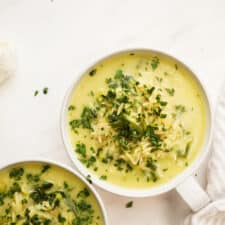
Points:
[(57, 39)]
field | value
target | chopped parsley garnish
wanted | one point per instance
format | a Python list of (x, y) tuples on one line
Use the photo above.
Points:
[(81, 149), (155, 62), (89, 178), (158, 99), (61, 219), (71, 108), (32, 178), (87, 116), (45, 168), (127, 122), (150, 90), (170, 91), (24, 201), (184, 154), (103, 177), (16, 173), (119, 75), (92, 72), (180, 108)]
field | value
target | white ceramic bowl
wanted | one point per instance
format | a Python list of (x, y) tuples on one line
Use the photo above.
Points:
[(173, 183), (69, 169)]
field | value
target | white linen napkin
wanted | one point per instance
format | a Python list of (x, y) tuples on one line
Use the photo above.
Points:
[(7, 61), (214, 213)]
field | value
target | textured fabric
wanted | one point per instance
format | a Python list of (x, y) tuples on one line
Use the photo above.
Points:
[(214, 213), (216, 170), (7, 61)]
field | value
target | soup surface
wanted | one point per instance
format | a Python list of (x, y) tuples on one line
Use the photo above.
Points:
[(137, 119), (42, 194)]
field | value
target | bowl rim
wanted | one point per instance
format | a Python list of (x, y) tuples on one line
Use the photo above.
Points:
[(152, 191), (11, 163)]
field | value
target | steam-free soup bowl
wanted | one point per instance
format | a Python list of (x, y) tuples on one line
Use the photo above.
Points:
[(60, 170), (183, 182)]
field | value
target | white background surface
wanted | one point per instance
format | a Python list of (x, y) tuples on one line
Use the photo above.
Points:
[(55, 40)]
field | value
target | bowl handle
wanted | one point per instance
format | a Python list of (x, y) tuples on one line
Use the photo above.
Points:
[(193, 194)]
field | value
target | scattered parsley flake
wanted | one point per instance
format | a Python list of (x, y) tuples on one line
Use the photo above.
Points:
[(129, 204), (45, 90), (36, 93)]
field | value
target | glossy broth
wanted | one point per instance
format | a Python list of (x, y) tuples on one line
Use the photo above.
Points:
[(35, 193), (172, 136)]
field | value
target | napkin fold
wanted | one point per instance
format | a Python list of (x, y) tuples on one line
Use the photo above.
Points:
[(214, 213)]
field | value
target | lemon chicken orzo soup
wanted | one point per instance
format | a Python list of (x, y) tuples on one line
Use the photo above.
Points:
[(43, 194), (137, 119)]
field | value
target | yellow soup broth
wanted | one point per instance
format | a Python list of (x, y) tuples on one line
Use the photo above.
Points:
[(35, 193), (137, 119)]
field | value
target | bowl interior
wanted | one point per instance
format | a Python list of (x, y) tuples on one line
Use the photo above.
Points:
[(138, 192), (68, 169)]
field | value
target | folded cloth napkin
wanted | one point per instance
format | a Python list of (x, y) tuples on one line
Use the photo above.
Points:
[(7, 61), (214, 213)]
